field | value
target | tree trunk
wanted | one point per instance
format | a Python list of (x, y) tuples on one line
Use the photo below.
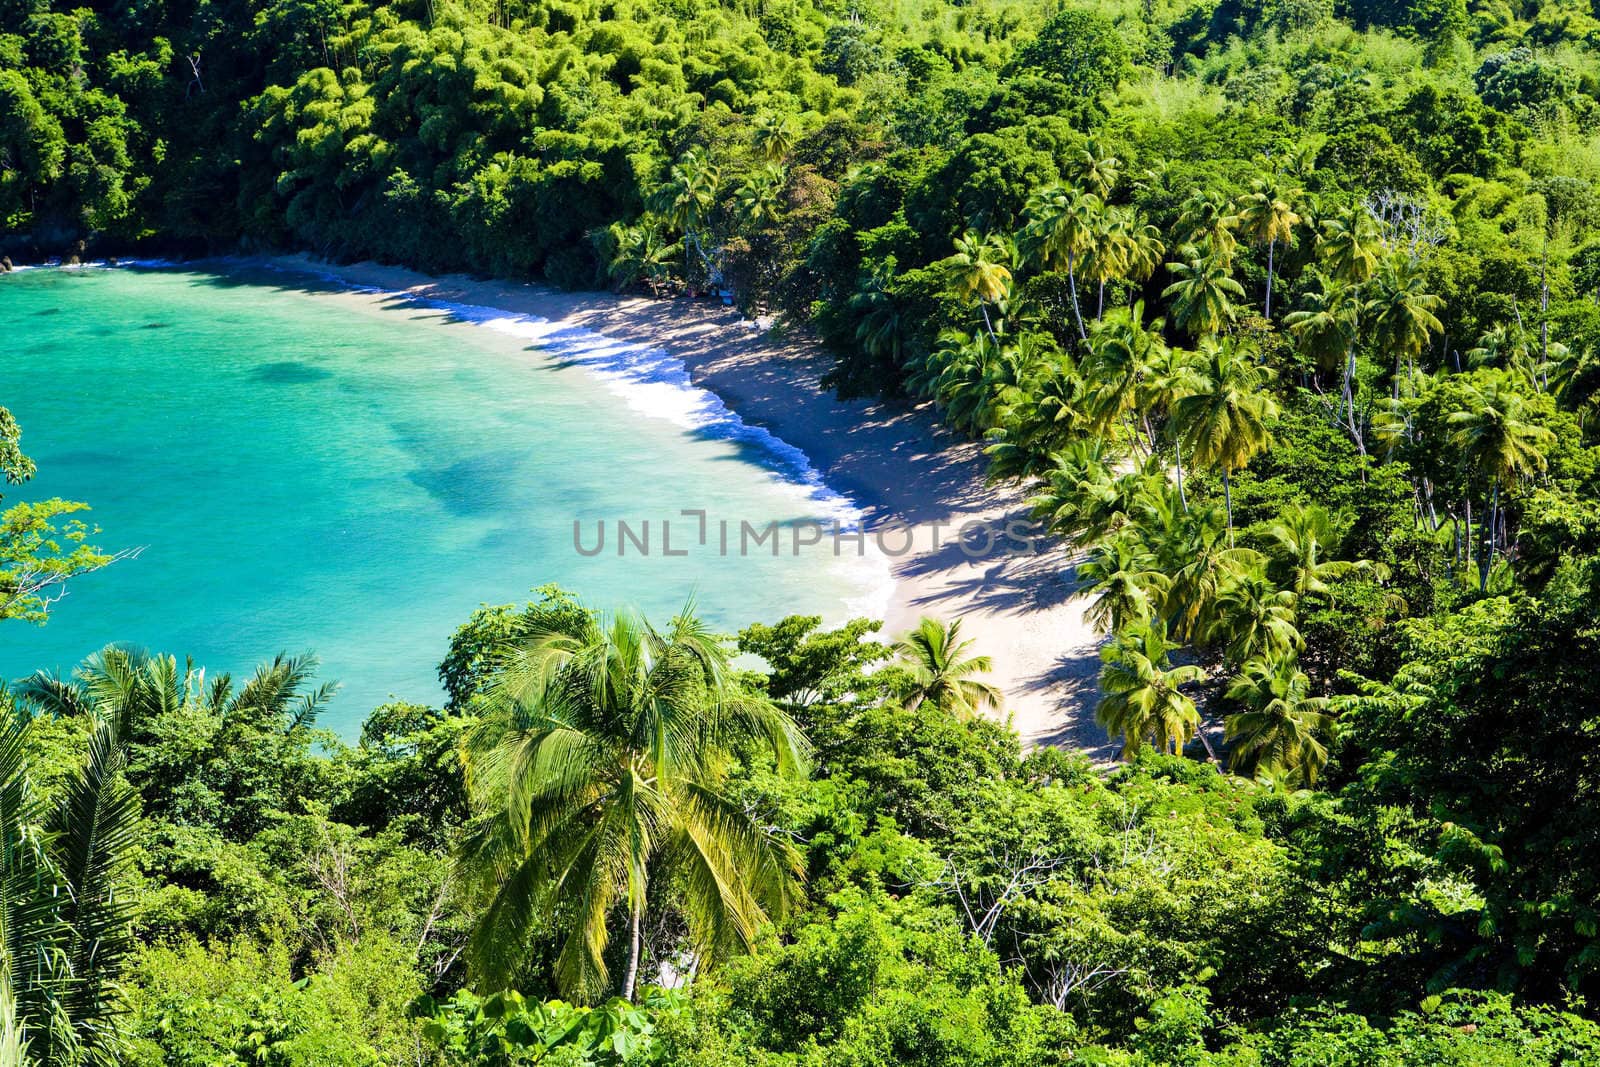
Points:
[(1491, 531), (1072, 283), (1272, 247), (1100, 306), (1227, 500), (1177, 448), (635, 943)]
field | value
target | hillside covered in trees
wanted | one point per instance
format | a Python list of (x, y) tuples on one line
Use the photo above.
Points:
[(1287, 313)]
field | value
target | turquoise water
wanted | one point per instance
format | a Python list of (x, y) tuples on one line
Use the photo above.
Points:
[(309, 470)]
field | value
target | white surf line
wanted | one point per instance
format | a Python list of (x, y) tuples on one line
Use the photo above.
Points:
[(658, 385)]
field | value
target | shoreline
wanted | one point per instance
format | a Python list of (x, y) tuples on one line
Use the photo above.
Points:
[(893, 463)]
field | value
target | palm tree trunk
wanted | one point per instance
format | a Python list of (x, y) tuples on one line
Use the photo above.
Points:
[(984, 304), (1492, 532), (1072, 283), (1177, 449), (1100, 307), (635, 944), (1227, 500), (1272, 247)]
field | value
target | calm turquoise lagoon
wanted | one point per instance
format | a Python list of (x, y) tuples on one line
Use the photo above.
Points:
[(312, 470)]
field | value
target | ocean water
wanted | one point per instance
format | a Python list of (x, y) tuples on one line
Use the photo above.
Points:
[(305, 470)]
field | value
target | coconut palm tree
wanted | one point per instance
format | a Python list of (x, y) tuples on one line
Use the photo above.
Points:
[(1120, 352), (978, 271), (1170, 375), (1348, 247), (639, 253), (1224, 420), (881, 329), (1107, 258), (686, 197), (1401, 312), (1276, 733), (1494, 433), (1298, 542), (1094, 168), (1060, 229), (943, 670), (775, 136), (1327, 329), (1141, 697), (1202, 297), (1121, 573), (65, 921), (1267, 215), (1208, 222), (1253, 617), (757, 197), (600, 772)]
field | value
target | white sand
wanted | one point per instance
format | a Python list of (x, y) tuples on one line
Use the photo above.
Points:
[(896, 462)]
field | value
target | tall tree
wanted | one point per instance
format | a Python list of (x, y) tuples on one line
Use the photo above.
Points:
[(1127, 586), (1060, 229), (1277, 732), (1495, 434), (1267, 214), (979, 272), (944, 671), (1224, 420), (1402, 312), (1300, 542), (1202, 297), (601, 775), (1141, 697)]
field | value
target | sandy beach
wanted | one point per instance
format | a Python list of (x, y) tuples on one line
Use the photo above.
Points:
[(897, 463)]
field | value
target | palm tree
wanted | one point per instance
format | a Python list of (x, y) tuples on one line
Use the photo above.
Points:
[(1298, 541), (1128, 587), (1327, 330), (1060, 229), (942, 670), (1121, 351), (1224, 420), (1349, 246), (1207, 222), (639, 253), (1189, 547), (685, 199), (1268, 216), (600, 771), (775, 136), (1094, 168), (757, 196), (1494, 433), (1141, 698), (1202, 296), (1170, 375), (1252, 617), (1277, 731), (978, 270), (1402, 314), (881, 330), (65, 922), (1109, 252)]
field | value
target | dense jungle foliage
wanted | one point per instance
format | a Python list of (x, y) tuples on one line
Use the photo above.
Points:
[(1287, 311)]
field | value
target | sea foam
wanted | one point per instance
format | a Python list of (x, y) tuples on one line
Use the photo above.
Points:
[(657, 384)]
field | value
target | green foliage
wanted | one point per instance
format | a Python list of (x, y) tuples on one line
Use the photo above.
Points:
[(504, 1029)]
